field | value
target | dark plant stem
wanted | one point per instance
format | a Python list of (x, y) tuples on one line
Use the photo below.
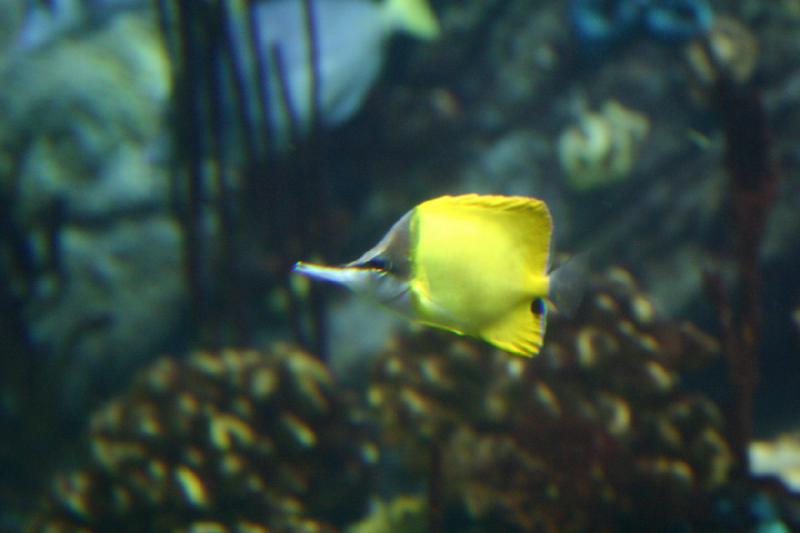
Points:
[(753, 184), (190, 140), (239, 78), (229, 271), (276, 191), (316, 205), (261, 69), (294, 199), (231, 83), (435, 490)]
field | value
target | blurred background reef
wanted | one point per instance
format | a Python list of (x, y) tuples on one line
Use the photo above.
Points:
[(164, 163)]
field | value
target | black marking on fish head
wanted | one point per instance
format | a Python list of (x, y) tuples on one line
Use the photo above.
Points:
[(387, 268), (391, 255)]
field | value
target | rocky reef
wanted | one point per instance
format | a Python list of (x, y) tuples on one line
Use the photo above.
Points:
[(84, 169), (595, 432), (239, 440)]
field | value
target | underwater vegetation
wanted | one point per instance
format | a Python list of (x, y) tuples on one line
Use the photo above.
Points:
[(258, 84), (231, 441), (753, 187)]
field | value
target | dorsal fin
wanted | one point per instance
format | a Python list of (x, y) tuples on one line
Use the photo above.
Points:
[(523, 219)]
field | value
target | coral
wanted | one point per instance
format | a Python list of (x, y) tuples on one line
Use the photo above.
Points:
[(594, 431), (730, 49), (600, 22), (601, 148), (779, 457), (402, 514), (238, 439), (678, 19)]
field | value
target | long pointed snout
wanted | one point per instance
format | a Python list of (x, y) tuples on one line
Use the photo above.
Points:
[(349, 277)]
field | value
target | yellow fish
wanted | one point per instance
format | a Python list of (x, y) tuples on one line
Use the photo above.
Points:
[(475, 265)]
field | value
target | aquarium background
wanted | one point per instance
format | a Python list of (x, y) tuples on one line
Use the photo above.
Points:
[(162, 370)]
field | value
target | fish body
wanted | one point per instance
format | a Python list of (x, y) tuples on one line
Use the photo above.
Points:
[(475, 265), (350, 36)]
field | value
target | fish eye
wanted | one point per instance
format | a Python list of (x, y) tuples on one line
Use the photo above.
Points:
[(377, 263)]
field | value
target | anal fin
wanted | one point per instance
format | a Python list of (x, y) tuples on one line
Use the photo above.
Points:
[(520, 331)]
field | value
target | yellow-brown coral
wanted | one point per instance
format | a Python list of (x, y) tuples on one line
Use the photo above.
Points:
[(227, 441), (729, 49), (593, 430)]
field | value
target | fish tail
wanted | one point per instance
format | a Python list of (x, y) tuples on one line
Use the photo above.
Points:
[(568, 283), (414, 17)]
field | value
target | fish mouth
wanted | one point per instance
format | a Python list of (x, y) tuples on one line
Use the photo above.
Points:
[(323, 273), (389, 289), (352, 277)]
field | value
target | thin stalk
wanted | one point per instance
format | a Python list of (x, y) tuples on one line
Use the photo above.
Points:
[(190, 123), (316, 204), (229, 271), (435, 490)]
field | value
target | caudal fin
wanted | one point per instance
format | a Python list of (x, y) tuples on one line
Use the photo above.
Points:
[(414, 17), (568, 283)]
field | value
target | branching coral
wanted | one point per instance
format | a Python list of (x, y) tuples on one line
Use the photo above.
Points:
[(595, 431), (240, 439)]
